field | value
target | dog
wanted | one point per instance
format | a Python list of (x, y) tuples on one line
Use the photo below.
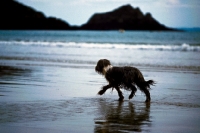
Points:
[(123, 77)]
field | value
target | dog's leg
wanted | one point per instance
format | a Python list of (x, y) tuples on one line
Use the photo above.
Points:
[(103, 90), (121, 97), (144, 89), (134, 89), (147, 93)]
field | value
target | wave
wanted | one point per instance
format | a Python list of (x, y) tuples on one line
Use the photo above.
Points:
[(160, 47)]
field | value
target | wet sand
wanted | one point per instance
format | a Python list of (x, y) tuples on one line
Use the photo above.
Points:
[(47, 99)]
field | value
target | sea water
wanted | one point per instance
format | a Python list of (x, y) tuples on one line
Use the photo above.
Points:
[(48, 81), (63, 62), (77, 48)]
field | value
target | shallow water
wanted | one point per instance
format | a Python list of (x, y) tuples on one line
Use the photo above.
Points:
[(53, 87), (62, 98), (99, 115)]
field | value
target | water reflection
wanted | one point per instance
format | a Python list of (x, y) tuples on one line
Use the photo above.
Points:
[(12, 76), (119, 117), (9, 72)]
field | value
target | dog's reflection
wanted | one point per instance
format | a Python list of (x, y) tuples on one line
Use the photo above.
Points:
[(119, 117)]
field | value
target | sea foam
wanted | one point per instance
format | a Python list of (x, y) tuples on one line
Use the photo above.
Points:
[(160, 47)]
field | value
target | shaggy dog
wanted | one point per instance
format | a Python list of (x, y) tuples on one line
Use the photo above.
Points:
[(123, 77)]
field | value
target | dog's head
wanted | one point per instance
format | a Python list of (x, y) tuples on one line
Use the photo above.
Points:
[(101, 65)]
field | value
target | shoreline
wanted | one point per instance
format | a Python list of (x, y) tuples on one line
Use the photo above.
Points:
[(100, 115)]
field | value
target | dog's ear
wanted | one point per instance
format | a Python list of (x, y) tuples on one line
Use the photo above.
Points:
[(101, 64), (106, 62)]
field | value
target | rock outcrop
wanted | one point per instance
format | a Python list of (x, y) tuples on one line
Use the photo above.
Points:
[(125, 17)]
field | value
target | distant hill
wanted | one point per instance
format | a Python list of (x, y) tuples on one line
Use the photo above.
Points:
[(15, 15), (18, 16), (125, 17)]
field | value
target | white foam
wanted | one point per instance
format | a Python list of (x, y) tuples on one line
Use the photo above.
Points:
[(183, 47)]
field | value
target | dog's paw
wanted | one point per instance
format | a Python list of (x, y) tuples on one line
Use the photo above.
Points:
[(121, 99), (148, 100), (101, 92)]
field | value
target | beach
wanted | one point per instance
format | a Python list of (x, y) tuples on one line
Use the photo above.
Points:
[(174, 107), (51, 85)]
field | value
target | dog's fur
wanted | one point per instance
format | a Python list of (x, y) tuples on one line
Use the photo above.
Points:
[(123, 77)]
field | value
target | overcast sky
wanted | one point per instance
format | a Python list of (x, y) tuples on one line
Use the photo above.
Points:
[(172, 13)]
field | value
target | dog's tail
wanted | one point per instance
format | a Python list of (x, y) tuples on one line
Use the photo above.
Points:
[(150, 82)]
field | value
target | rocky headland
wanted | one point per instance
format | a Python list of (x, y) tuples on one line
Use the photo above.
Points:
[(125, 17), (15, 15)]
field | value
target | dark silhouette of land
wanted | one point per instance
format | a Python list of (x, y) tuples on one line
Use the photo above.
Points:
[(125, 17), (18, 16), (15, 15)]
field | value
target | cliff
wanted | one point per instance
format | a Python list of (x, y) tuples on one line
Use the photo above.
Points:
[(125, 17), (18, 16)]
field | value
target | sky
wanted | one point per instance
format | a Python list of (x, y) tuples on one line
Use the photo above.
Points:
[(171, 13)]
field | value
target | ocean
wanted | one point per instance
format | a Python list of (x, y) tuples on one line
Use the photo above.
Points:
[(48, 82), (85, 48), (45, 57)]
